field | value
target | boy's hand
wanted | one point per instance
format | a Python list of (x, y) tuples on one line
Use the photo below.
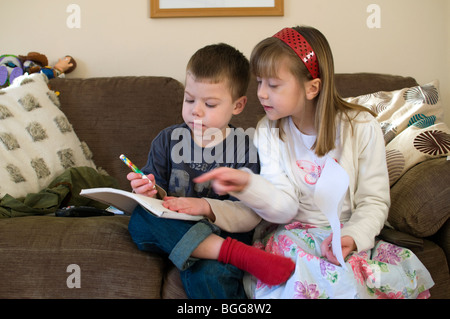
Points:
[(189, 205), (142, 185), (225, 180)]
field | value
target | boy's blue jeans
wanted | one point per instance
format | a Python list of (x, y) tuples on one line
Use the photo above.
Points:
[(202, 279)]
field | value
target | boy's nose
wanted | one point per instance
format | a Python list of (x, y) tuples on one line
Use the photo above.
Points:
[(197, 109)]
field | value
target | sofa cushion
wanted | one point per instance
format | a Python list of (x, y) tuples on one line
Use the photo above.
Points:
[(125, 115), (433, 258), (354, 84), (37, 142), (37, 251), (173, 287), (412, 123), (420, 199), (442, 238)]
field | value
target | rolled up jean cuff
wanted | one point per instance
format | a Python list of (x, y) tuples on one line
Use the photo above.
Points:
[(181, 253)]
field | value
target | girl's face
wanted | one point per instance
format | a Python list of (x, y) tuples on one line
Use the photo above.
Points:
[(283, 95)]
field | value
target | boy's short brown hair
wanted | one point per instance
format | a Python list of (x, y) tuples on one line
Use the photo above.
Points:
[(221, 62)]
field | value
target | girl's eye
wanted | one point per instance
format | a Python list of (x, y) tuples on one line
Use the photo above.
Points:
[(270, 84)]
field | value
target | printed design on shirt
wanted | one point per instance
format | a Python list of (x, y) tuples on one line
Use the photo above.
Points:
[(312, 171), (181, 184)]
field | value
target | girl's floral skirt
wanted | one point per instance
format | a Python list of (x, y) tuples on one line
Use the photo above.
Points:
[(385, 271)]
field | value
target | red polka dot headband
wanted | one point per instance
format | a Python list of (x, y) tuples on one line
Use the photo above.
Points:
[(302, 48)]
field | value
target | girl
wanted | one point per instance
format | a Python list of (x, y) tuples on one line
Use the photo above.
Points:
[(323, 189)]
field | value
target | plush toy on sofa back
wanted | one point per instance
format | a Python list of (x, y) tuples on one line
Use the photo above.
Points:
[(12, 66)]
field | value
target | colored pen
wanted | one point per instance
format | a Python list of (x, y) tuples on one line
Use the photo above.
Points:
[(133, 167)]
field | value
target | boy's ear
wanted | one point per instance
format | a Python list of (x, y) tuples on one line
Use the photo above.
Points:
[(239, 105), (313, 88)]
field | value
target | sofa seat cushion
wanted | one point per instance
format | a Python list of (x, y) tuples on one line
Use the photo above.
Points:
[(420, 199), (173, 286), (433, 258), (37, 252)]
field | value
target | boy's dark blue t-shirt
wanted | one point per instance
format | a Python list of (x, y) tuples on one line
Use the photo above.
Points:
[(176, 160)]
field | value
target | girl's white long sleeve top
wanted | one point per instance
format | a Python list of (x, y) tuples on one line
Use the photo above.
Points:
[(275, 194)]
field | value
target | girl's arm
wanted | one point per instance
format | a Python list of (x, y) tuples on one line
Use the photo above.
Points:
[(228, 215), (233, 216), (271, 195), (371, 195)]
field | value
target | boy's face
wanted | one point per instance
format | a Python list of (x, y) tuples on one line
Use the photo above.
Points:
[(208, 108)]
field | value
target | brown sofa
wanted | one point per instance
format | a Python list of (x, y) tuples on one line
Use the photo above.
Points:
[(122, 115)]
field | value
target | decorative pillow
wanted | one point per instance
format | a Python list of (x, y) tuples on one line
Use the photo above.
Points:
[(415, 145), (37, 142), (412, 123)]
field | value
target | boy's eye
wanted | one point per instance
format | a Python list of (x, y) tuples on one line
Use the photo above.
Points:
[(189, 101), (210, 105)]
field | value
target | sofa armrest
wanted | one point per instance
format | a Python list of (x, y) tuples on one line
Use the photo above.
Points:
[(420, 202), (400, 239), (442, 238)]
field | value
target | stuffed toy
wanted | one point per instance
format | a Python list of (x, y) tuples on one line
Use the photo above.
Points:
[(35, 62), (12, 66)]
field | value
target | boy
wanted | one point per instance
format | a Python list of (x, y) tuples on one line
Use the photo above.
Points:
[(217, 78)]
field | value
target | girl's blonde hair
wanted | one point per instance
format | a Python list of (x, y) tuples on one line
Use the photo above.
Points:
[(264, 62)]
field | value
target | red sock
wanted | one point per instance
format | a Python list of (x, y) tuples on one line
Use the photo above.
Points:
[(269, 268)]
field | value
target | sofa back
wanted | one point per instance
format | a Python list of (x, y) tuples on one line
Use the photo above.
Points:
[(122, 115)]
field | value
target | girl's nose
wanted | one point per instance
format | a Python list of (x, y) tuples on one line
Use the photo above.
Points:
[(262, 92)]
